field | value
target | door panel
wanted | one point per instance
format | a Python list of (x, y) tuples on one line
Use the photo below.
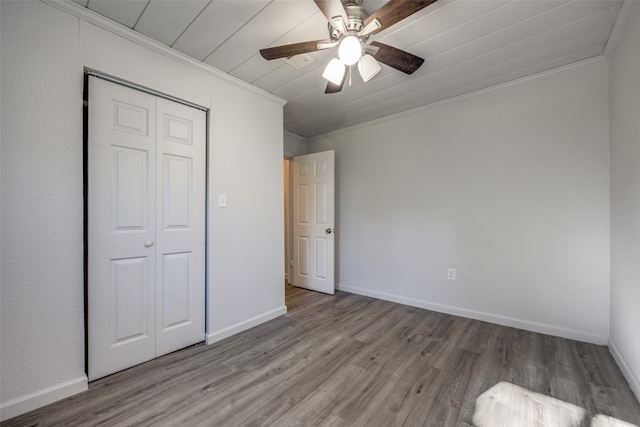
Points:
[(130, 118), (321, 203), (176, 294), (177, 191), (181, 160), (177, 129), (129, 288), (302, 260), (129, 198), (313, 221), (321, 258), (121, 268), (303, 203)]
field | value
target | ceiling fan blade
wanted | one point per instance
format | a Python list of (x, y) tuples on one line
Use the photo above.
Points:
[(393, 11), (335, 88), (396, 58), (333, 9), (288, 50)]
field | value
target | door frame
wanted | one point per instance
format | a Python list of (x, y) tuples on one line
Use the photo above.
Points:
[(288, 217), (85, 189)]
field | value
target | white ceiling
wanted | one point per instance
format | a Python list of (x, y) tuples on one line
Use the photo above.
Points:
[(468, 45)]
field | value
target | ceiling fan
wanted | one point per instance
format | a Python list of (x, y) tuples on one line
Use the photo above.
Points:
[(349, 28)]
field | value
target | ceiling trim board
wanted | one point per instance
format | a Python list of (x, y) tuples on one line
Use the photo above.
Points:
[(357, 102), (618, 27), (118, 29), (416, 102), (437, 104), (362, 103), (295, 135)]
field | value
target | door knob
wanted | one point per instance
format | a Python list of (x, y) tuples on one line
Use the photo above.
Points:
[(328, 230), (148, 244)]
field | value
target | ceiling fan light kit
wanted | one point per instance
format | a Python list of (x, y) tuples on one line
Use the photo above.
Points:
[(349, 50), (335, 71), (368, 67), (349, 28)]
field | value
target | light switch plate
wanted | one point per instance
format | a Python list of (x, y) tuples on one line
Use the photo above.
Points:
[(222, 201)]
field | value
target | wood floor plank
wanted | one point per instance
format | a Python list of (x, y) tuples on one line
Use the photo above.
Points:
[(443, 396), (319, 408), (489, 363), (347, 360)]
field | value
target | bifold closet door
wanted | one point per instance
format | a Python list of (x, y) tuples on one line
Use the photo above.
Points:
[(146, 227), (180, 226)]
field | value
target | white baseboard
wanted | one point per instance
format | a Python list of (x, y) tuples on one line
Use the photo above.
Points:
[(243, 326), (632, 378), (478, 315), (35, 400)]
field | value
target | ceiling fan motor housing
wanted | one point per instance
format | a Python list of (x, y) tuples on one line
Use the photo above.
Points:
[(357, 15)]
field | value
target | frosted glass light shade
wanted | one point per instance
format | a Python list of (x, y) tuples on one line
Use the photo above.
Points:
[(350, 50), (368, 67), (334, 71)]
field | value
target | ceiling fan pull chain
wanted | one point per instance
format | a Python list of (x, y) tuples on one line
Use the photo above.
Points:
[(349, 75)]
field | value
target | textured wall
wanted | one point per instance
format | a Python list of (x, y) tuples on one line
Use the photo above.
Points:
[(510, 186), (44, 51), (42, 301)]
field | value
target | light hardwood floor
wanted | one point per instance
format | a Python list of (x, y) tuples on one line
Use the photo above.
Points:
[(347, 360)]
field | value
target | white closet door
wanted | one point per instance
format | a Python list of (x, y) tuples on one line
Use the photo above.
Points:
[(146, 219), (180, 219)]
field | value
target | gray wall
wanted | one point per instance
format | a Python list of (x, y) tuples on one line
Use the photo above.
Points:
[(510, 186), (44, 50), (625, 202), (294, 145)]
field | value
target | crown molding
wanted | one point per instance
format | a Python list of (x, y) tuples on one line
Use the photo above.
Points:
[(94, 18), (437, 104), (618, 28)]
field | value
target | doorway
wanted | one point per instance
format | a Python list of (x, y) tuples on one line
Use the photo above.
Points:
[(309, 182)]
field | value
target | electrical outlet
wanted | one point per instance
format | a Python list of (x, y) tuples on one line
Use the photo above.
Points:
[(451, 274)]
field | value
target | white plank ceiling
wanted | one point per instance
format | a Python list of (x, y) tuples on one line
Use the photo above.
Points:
[(467, 45)]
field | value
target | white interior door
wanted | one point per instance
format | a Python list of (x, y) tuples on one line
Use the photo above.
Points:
[(146, 227), (313, 221)]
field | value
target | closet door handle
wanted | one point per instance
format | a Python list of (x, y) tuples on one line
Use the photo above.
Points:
[(148, 244)]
